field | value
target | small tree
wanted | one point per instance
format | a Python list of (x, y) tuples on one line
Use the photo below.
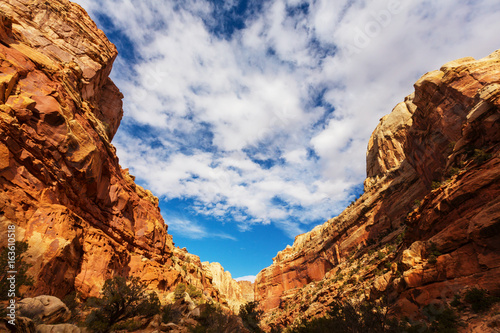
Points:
[(479, 299), (20, 266), (251, 316), (212, 320), (122, 299)]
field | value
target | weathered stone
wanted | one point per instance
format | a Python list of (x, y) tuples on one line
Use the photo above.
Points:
[(414, 254), (61, 184), (381, 282), (229, 288), (433, 169), (195, 313), (44, 309)]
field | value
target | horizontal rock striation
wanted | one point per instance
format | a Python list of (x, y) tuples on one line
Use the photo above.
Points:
[(83, 216), (427, 225)]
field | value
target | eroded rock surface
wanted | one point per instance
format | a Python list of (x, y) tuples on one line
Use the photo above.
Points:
[(235, 293), (45, 309), (428, 223), (83, 216)]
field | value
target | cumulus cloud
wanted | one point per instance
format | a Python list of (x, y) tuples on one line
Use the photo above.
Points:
[(266, 118)]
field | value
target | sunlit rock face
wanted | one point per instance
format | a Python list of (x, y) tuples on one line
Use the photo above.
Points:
[(83, 216), (427, 225), (234, 293)]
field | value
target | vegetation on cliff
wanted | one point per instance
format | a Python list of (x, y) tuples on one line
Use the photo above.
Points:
[(122, 299)]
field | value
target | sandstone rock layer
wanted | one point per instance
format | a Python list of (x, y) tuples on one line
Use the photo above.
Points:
[(60, 181), (427, 225), (235, 293)]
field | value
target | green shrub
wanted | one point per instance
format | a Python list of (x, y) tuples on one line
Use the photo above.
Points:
[(454, 171), (122, 299), (433, 254), (433, 250), (71, 302), (92, 302), (443, 319), (212, 320), (22, 277), (193, 292), (436, 185), (169, 314), (479, 299), (179, 291), (251, 316), (347, 317), (339, 276), (380, 255), (400, 238), (480, 156), (456, 301), (370, 317), (432, 259)]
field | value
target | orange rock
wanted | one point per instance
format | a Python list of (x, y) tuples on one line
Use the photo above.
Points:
[(60, 181), (433, 169), (230, 289)]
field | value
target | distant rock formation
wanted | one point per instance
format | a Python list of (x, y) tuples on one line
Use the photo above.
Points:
[(427, 225), (83, 216), (247, 291), (235, 293)]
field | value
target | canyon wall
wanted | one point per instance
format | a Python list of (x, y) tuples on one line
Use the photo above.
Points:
[(427, 225), (235, 293), (61, 184)]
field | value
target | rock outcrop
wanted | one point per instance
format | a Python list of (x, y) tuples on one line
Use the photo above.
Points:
[(427, 225), (234, 293), (46, 309), (60, 181), (247, 291)]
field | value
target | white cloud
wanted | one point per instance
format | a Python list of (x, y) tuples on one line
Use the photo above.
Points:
[(250, 278), (190, 229), (272, 123)]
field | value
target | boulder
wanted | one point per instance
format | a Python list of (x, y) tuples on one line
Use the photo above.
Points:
[(45, 309), (413, 255)]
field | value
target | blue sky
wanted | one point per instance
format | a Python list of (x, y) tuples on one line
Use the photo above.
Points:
[(250, 119)]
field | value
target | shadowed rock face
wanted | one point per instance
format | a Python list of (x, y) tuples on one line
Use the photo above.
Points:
[(60, 182), (433, 172)]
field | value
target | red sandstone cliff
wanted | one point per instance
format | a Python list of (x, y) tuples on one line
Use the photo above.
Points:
[(60, 181), (432, 189)]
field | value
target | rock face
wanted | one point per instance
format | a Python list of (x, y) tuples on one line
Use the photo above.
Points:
[(427, 225), (235, 293), (247, 291), (60, 181)]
